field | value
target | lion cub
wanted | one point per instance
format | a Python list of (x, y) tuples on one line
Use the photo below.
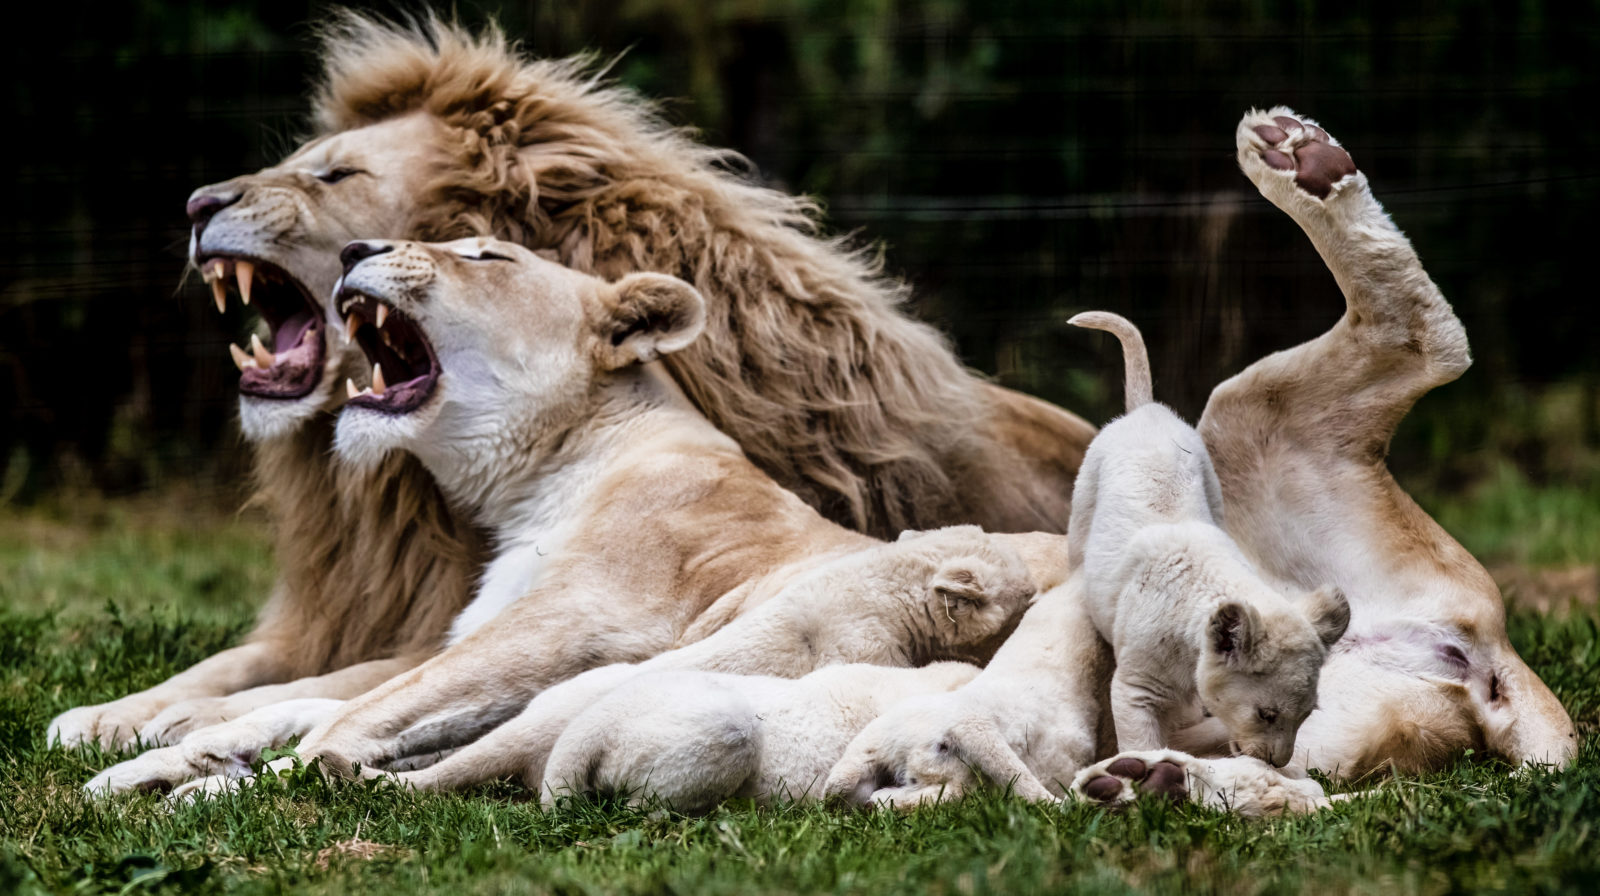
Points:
[(1194, 628), (693, 739)]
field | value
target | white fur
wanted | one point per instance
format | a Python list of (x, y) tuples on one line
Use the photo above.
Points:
[(692, 739), (1029, 721), (1241, 784), (227, 749), (1164, 585)]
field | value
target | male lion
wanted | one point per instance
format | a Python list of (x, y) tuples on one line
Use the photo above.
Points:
[(435, 133)]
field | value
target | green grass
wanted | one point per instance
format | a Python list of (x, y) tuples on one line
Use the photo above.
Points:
[(98, 603)]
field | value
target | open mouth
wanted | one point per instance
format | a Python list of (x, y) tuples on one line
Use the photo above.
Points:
[(292, 366), (404, 366)]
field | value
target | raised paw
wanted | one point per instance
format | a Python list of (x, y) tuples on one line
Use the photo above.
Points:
[(1123, 778), (1282, 141)]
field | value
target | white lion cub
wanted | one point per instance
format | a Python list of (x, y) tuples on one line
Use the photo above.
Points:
[(1195, 630), (693, 739)]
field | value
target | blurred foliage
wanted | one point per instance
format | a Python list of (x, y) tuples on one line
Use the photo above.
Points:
[(1019, 160)]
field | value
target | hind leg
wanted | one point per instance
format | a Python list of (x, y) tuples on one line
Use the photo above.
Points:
[(1299, 441)]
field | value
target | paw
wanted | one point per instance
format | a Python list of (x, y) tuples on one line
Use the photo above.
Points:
[(206, 788), (1123, 778), (175, 722), (1284, 153), (153, 771), (113, 726)]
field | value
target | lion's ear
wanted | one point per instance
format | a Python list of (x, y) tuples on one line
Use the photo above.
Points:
[(645, 316)]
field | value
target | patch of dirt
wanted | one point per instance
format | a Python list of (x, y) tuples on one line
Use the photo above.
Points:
[(358, 849), (1550, 590)]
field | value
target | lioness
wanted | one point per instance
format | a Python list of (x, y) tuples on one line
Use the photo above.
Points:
[(1298, 439), (432, 132), (620, 514)]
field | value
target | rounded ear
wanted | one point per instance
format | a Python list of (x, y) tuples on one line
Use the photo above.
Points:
[(645, 316), (1329, 612), (1232, 631), (958, 586)]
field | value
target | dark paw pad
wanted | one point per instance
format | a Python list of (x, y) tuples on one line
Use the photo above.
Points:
[(1317, 163), (1103, 789), (1131, 767), (1166, 779)]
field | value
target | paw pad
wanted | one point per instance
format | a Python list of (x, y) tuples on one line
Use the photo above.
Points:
[(1161, 778), (1306, 150)]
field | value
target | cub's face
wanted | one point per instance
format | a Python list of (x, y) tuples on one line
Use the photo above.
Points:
[(1260, 665), (273, 238), (479, 349)]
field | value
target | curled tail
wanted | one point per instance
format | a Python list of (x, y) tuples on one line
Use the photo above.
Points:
[(1136, 381)]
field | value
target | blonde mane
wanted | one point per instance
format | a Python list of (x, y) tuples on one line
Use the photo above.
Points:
[(807, 362), (374, 565)]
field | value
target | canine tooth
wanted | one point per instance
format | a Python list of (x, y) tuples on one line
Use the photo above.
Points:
[(244, 272), (350, 389), (378, 385), (241, 360), (220, 294), (350, 325), (263, 357), (383, 314)]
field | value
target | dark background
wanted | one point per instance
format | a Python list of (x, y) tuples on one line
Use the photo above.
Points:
[(1017, 161)]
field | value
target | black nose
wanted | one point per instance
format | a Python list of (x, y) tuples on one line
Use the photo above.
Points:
[(203, 205), (354, 252)]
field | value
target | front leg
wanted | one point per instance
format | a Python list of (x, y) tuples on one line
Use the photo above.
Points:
[(1137, 710), (225, 750), (488, 677), (176, 721), (116, 724)]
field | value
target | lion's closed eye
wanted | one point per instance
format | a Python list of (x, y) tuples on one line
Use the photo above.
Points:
[(483, 255), (334, 175)]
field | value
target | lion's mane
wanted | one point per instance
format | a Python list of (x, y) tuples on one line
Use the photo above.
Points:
[(807, 361)]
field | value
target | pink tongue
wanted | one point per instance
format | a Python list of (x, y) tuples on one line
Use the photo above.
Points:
[(289, 332)]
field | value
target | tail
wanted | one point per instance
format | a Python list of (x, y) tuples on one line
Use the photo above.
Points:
[(1136, 382)]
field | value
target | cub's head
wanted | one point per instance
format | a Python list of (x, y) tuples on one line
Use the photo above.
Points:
[(273, 238), (964, 591), (484, 355), (1260, 663)]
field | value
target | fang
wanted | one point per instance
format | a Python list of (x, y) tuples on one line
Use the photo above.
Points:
[(244, 272), (263, 357)]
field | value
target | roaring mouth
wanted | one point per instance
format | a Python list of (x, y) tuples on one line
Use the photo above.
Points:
[(404, 366), (292, 367)]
